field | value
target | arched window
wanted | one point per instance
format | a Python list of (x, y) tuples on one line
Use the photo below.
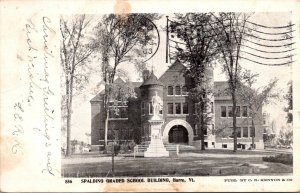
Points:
[(170, 90), (177, 90), (150, 109), (184, 90)]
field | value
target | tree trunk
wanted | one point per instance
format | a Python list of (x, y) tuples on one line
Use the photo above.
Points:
[(69, 92), (68, 150), (234, 120), (106, 127), (252, 129), (202, 125)]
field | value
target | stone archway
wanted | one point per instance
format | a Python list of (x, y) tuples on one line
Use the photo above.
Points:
[(178, 122)]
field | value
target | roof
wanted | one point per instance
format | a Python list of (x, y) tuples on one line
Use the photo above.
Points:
[(177, 65), (152, 80), (99, 96), (222, 92)]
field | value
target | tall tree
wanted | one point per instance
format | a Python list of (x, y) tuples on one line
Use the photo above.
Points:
[(256, 98), (198, 53), (229, 30), (120, 39), (75, 52), (289, 108)]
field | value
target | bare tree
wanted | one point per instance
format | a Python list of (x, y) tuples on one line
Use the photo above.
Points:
[(256, 98), (120, 39), (229, 30), (75, 51)]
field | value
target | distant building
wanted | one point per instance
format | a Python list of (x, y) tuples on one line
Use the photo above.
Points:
[(178, 113), (269, 133)]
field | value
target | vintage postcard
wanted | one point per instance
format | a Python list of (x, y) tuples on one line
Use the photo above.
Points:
[(147, 96)]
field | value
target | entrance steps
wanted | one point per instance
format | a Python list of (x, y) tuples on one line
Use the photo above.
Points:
[(139, 150)]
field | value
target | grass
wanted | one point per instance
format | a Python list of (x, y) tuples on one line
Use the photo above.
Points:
[(281, 158), (180, 166)]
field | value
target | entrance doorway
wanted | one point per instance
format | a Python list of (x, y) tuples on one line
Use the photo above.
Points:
[(178, 134)]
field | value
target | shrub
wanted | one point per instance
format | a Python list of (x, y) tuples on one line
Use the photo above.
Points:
[(280, 158), (110, 146)]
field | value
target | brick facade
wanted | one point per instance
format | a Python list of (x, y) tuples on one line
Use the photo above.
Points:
[(178, 114)]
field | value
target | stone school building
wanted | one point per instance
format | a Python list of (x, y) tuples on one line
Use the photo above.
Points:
[(178, 114)]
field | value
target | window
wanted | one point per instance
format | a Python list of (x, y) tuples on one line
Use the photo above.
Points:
[(177, 108), (117, 112), (205, 144), (177, 90), (212, 107), (170, 108), (224, 145), (230, 114), (185, 108), (213, 129), (170, 90), (238, 132), (244, 111), (184, 90), (245, 132), (252, 131), (150, 109), (223, 111), (238, 111), (143, 108)]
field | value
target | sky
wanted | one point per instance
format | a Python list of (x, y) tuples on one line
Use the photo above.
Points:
[(81, 118)]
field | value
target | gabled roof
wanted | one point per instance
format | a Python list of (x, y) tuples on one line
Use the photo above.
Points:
[(98, 97), (177, 65), (119, 81)]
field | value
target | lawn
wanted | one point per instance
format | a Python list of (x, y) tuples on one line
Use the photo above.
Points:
[(189, 163)]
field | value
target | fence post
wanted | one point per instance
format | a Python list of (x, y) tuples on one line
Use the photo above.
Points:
[(177, 149)]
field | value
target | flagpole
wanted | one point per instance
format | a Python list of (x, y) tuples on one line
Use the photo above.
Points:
[(167, 42)]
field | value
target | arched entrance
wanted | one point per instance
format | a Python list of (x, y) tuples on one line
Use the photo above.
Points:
[(187, 131), (178, 134)]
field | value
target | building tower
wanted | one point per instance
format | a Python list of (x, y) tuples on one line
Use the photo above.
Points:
[(150, 87)]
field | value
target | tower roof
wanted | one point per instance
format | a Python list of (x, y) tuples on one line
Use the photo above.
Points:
[(152, 80)]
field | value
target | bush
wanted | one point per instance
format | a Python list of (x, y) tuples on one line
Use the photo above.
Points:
[(127, 146), (110, 146), (281, 158)]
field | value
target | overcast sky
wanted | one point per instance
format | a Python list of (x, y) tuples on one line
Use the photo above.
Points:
[(81, 120)]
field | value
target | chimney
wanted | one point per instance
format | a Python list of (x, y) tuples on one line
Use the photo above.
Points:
[(146, 74)]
